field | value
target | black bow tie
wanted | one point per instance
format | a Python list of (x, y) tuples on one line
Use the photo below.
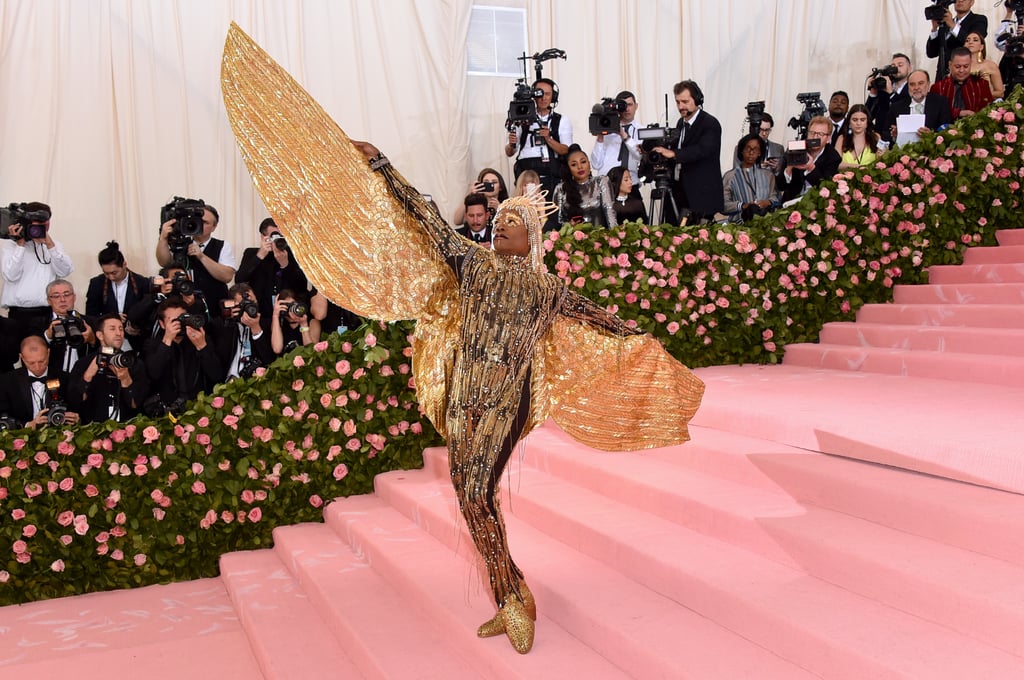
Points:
[(478, 237), (40, 379)]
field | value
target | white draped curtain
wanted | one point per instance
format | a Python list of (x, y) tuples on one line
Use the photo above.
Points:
[(111, 107)]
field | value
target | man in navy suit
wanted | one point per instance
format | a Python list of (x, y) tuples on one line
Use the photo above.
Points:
[(27, 393), (934, 106), (697, 169)]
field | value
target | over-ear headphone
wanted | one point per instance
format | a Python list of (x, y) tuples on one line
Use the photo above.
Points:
[(695, 91), (554, 89)]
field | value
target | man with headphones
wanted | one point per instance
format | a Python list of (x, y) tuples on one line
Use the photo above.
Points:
[(697, 171), (543, 145)]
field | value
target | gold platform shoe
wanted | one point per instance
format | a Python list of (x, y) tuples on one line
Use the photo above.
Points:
[(516, 619)]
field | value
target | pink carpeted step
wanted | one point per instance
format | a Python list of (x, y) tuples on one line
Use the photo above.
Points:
[(1010, 237), (963, 339), (975, 518), (726, 510), (982, 315), (384, 633), (979, 596), (288, 637), (981, 368), (770, 604), (1008, 254), (431, 579), (139, 633), (960, 294), (637, 629), (978, 273)]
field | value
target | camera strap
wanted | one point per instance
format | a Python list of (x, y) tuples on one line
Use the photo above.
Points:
[(45, 254)]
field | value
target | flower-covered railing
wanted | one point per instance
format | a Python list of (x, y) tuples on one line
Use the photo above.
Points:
[(110, 506)]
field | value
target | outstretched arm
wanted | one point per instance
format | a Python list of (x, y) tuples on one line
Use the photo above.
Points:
[(449, 245), (576, 306)]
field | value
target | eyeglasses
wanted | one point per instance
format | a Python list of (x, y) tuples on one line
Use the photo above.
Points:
[(818, 134), (60, 296), (765, 129)]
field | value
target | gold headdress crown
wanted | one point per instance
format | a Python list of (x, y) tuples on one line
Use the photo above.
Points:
[(534, 208)]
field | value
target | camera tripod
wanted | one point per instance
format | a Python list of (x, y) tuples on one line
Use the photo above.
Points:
[(661, 193)]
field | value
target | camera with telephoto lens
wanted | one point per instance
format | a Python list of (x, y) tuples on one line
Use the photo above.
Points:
[(937, 11), (248, 365), (33, 222), (57, 410), (813, 107), (69, 330), (878, 76), (755, 116), (249, 309), (799, 151), (110, 357), (604, 116), (279, 241), (182, 285), (297, 309)]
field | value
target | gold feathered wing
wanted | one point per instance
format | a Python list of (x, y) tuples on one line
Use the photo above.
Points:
[(360, 247)]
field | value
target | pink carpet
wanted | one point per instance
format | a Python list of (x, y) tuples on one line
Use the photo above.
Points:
[(822, 523)]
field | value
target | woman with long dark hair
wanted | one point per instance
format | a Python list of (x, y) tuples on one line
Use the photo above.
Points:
[(581, 197), (491, 184), (629, 206), (858, 141)]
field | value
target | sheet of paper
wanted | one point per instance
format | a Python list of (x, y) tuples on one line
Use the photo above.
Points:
[(907, 127)]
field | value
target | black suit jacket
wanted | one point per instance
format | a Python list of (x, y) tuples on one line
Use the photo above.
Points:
[(225, 336), (880, 106), (942, 44), (92, 400), (267, 278), (100, 298), (699, 167), (16, 398), (825, 167), (465, 231), (936, 111)]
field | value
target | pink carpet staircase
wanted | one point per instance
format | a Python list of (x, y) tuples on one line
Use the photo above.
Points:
[(822, 523)]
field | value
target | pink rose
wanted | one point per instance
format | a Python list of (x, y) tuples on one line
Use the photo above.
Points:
[(342, 367), (139, 559), (67, 484), (217, 402), (95, 459), (198, 487), (371, 340), (81, 525), (298, 362), (17, 513), (150, 435), (316, 501), (416, 428), (248, 496), (34, 489), (57, 565), (340, 471), (41, 457), (320, 346), (65, 448), (117, 555), (297, 385), (231, 421), (203, 422), (353, 444), (255, 515)]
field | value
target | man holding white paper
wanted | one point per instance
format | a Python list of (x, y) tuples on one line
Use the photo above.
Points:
[(924, 112)]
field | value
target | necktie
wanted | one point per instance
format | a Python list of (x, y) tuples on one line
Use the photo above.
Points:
[(918, 107), (623, 149), (682, 133), (40, 379), (958, 96)]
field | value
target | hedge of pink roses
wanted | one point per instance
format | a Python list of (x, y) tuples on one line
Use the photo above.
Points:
[(726, 294), (118, 505)]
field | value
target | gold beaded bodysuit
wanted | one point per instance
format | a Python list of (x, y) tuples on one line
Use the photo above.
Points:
[(500, 345)]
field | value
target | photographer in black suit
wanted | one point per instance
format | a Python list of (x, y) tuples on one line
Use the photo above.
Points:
[(116, 290), (180, 362), (697, 169), (949, 33), (270, 268), (110, 384), (242, 345), (29, 394), (69, 334), (822, 162)]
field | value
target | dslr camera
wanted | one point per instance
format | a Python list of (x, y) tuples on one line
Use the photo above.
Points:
[(936, 11), (57, 410), (194, 320), (279, 241), (69, 330), (878, 76), (296, 309), (604, 116), (33, 222), (113, 358), (799, 151), (188, 215)]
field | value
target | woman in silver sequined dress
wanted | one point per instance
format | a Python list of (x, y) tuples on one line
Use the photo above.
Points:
[(581, 197)]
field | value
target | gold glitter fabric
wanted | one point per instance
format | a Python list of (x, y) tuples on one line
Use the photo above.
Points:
[(500, 344)]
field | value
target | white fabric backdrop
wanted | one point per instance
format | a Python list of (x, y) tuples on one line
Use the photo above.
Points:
[(113, 106)]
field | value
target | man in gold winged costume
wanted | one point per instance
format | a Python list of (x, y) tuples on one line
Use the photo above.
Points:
[(498, 340)]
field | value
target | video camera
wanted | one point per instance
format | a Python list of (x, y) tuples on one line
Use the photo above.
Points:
[(33, 222), (57, 410), (937, 11), (878, 76), (755, 116), (653, 165), (604, 116), (113, 358), (799, 152), (69, 330), (813, 106), (522, 110), (188, 215)]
